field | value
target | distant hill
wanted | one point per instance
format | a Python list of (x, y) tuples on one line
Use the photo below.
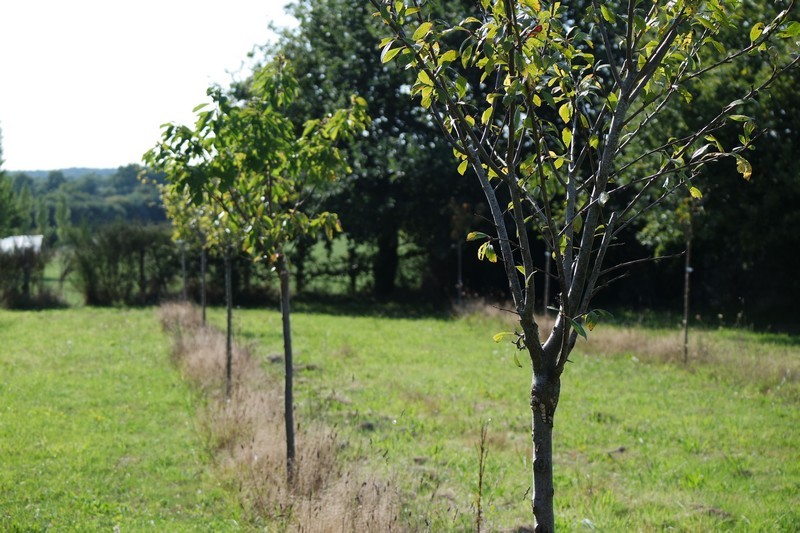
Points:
[(69, 173)]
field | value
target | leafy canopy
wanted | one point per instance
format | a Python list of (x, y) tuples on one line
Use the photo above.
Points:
[(246, 156)]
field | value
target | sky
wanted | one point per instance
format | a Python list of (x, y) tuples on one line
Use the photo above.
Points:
[(87, 83)]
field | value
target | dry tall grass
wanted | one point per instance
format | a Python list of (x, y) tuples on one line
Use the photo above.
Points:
[(738, 357), (247, 438)]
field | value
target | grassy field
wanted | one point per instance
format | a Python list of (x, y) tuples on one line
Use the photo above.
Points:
[(642, 443), (98, 430)]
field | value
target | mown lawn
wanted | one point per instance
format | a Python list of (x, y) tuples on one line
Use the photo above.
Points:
[(640, 446), (97, 429)]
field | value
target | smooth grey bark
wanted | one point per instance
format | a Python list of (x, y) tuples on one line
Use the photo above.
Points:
[(229, 326), (283, 273)]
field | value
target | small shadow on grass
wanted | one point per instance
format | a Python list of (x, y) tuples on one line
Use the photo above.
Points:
[(359, 306)]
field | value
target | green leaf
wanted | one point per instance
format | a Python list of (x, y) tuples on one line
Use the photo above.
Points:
[(739, 118), (516, 360), (793, 30), (448, 57), (491, 255), (462, 167), (388, 53), (695, 192), (461, 86), (521, 269), (422, 31), (578, 328), (475, 235), (424, 79), (756, 31), (608, 14), (486, 115), (591, 320)]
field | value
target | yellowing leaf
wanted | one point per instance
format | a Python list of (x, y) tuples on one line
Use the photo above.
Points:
[(462, 168), (423, 78), (447, 57), (497, 337), (695, 192), (744, 167), (533, 4), (756, 31), (566, 136), (475, 235), (565, 112), (422, 31)]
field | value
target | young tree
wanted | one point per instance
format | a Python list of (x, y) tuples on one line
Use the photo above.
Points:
[(557, 143), (247, 157), (204, 225)]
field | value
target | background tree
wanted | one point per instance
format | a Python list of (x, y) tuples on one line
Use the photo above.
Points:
[(399, 185), (248, 158), (10, 216), (553, 146)]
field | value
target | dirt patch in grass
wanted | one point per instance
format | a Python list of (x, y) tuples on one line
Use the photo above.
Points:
[(246, 437)]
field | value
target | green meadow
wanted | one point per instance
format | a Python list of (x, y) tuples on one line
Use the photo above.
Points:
[(97, 428)]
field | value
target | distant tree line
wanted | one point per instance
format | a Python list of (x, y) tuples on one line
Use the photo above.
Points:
[(405, 210)]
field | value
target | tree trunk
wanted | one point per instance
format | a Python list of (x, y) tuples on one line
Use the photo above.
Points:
[(460, 274), (545, 391), (686, 288), (183, 271), (203, 264), (352, 266), (142, 280), (283, 272), (386, 262), (229, 326)]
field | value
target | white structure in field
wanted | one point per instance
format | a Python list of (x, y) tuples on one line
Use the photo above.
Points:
[(21, 242)]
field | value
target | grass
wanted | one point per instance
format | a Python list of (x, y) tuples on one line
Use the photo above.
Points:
[(642, 443), (97, 430)]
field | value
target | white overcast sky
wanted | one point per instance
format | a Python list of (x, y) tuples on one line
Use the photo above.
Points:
[(87, 83)]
